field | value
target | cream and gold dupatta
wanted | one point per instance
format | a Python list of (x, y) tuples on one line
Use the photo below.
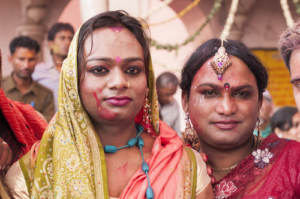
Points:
[(71, 161)]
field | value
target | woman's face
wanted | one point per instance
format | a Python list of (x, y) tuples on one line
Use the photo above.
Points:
[(223, 112), (114, 85)]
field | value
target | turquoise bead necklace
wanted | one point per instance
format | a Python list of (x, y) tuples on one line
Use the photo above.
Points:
[(139, 142)]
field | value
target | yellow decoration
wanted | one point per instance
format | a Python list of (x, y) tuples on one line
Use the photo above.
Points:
[(180, 14), (279, 78)]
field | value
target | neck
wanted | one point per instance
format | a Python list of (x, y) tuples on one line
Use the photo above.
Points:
[(224, 160), (117, 135), (23, 84), (58, 60)]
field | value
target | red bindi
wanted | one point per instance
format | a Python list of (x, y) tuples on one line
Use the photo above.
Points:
[(226, 86)]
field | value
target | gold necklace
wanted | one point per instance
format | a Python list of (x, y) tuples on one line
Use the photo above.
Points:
[(225, 168), (255, 145)]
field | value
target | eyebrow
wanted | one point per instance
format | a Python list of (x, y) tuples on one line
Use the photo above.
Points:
[(109, 60), (295, 80), (214, 86)]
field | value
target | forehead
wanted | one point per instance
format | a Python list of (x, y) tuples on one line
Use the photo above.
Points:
[(295, 64), (24, 52), (113, 44), (296, 117), (237, 74), (65, 33)]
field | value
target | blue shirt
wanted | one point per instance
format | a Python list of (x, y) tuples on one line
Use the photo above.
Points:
[(46, 74)]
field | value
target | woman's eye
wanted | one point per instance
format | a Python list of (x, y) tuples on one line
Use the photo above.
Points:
[(99, 70), (242, 94), (209, 93), (133, 70), (296, 84)]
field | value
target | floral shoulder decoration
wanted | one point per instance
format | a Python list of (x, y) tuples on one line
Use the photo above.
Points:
[(262, 157), (224, 189)]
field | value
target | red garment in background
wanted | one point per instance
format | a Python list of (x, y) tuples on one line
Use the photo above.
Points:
[(24, 122), (277, 179)]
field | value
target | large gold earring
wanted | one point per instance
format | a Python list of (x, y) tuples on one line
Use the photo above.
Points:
[(147, 119), (257, 138), (190, 136)]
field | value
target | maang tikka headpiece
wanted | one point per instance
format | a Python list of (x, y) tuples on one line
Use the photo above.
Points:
[(220, 62)]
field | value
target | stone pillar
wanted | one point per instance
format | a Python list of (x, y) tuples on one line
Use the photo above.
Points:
[(240, 20), (89, 8), (33, 15)]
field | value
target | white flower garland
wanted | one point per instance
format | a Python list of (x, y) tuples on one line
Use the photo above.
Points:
[(229, 20), (286, 13)]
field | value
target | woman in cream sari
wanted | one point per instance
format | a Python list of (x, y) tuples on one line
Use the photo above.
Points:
[(106, 140)]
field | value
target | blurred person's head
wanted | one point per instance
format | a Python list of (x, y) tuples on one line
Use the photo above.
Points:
[(23, 56), (282, 121), (295, 130), (60, 36), (166, 85), (266, 109), (289, 46)]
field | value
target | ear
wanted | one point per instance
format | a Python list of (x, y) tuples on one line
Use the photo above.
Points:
[(278, 132), (185, 102), (10, 58)]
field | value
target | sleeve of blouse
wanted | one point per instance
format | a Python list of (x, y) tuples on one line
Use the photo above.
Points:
[(202, 177), (15, 181)]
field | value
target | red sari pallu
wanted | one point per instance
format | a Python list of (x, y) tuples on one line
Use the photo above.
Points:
[(270, 172)]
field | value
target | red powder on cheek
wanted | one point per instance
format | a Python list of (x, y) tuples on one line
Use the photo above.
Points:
[(103, 112)]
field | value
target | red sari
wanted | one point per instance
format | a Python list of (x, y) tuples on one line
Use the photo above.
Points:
[(271, 172), (23, 126)]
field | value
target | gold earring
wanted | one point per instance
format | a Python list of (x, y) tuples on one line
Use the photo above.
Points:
[(258, 138), (190, 136), (147, 119)]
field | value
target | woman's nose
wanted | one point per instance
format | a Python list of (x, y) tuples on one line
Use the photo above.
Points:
[(117, 79), (226, 106)]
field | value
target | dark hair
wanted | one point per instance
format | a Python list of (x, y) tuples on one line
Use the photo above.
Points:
[(165, 78), (111, 19), (235, 48), (283, 118), (57, 27), (289, 41), (23, 41)]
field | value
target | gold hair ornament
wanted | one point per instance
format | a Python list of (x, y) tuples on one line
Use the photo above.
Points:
[(221, 59), (220, 62)]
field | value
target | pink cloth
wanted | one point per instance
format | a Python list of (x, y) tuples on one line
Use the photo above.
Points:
[(167, 152)]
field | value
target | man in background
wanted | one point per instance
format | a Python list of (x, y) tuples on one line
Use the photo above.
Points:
[(60, 36), (166, 85), (289, 46), (265, 115), (20, 86)]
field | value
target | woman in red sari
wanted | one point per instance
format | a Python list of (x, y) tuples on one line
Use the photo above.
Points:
[(222, 85)]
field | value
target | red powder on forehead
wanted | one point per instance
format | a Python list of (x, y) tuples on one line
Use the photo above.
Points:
[(116, 28)]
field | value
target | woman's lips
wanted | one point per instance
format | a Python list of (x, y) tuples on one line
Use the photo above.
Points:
[(226, 125), (118, 101)]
